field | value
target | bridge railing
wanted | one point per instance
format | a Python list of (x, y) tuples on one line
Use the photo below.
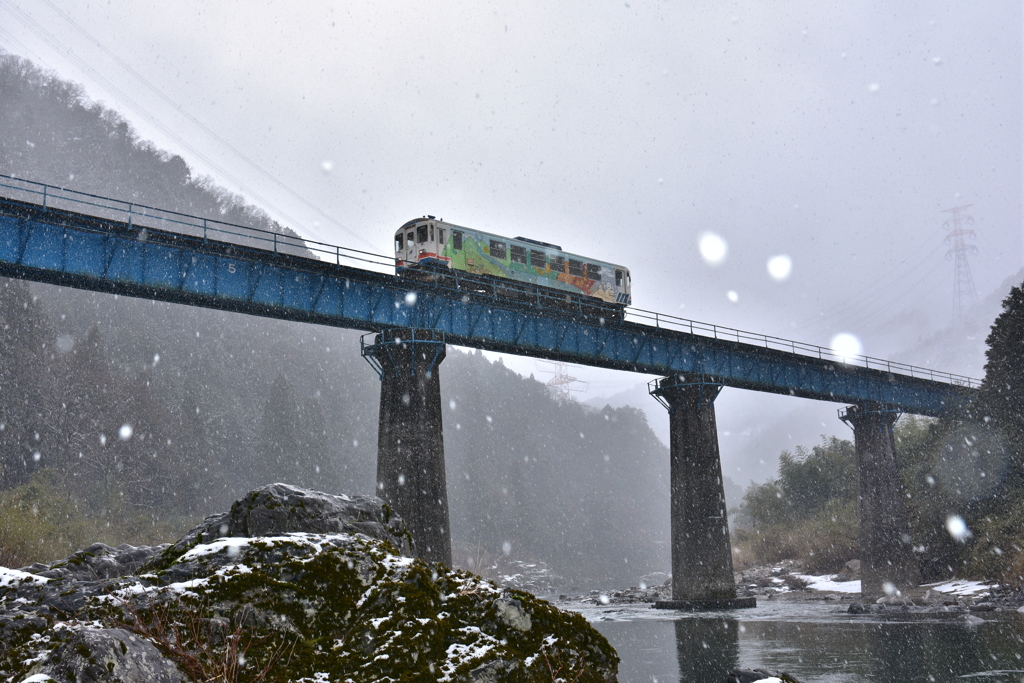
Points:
[(147, 217), (671, 322), (143, 216)]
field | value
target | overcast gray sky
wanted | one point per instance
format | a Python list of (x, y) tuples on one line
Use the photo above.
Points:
[(834, 133)]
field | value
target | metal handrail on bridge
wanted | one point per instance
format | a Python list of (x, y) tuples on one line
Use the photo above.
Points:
[(661, 320), (143, 216)]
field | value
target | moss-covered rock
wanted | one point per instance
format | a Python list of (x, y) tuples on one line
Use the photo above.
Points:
[(297, 605), (106, 655)]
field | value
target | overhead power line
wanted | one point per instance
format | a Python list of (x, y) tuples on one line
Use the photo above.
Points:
[(126, 100)]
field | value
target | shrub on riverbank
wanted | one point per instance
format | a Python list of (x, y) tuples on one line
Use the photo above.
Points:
[(808, 513), (39, 522), (824, 542)]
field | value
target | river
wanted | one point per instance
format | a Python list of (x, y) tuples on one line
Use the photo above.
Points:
[(813, 640)]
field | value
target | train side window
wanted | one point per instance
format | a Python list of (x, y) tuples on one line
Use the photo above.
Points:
[(498, 250), (421, 234), (518, 254), (557, 264), (440, 236), (537, 259), (575, 267), (456, 240), (618, 277), (399, 242), (593, 271)]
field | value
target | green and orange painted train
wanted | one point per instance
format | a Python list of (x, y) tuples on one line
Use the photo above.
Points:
[(427, 246)]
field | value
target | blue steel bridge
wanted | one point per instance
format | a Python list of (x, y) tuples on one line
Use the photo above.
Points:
[(59, 236)]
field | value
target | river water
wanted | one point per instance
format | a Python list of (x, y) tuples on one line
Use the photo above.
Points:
[(813, 640)]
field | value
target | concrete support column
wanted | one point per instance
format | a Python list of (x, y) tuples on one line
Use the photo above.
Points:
[(702, 576), (887, 561), (410, 443)]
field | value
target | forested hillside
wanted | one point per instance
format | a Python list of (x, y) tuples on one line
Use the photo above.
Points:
[(963, 475), (125, 420)]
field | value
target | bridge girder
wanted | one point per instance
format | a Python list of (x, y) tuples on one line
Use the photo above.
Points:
[(77, 250)]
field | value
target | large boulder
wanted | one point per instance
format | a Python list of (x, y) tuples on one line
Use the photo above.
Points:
[(851, 571), (281, 509), (98, 561), (287, 587), (106, 655)]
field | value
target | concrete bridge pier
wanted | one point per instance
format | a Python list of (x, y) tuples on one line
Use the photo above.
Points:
[(410, 446), (887, 562), (702, 573)]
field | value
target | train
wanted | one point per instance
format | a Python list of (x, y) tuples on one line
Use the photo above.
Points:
[(516, 268)]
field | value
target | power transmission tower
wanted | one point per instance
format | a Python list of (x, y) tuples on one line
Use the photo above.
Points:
[(965, 295), (562, 384)]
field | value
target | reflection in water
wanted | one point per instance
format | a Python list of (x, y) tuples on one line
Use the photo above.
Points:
[(707, 648), (908, 651), (896, 652), (819, 646)]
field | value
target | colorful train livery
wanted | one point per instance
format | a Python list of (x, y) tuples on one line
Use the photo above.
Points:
[(428, 245)]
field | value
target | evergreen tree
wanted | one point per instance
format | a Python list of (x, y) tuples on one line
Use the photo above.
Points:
[(278, 457), (1002, 391), (315, 466), (24, 342), (148, 480), (997, 550), (89, 406), (192, 453)]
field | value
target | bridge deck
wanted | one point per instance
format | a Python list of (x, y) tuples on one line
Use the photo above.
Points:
[(160, 255)]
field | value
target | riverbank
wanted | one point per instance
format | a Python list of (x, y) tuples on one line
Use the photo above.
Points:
[(786, 581)]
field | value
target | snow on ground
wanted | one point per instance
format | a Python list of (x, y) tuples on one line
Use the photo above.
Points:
[(957, 587), (828, 583), (954, 587)]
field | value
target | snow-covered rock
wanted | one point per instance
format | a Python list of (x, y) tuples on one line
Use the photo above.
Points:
[(758, 676), (286, 583), (280, 508), (91, 655), (98, 561)]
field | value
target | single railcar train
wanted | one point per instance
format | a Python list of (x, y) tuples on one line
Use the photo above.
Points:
[(426, 247)]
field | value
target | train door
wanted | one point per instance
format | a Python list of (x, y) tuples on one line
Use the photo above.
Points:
[(410, 245), (422, 241)]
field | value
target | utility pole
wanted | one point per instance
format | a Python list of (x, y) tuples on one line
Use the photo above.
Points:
[(965, 296)]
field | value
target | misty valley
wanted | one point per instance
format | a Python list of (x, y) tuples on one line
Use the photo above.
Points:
[(190, 494)]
